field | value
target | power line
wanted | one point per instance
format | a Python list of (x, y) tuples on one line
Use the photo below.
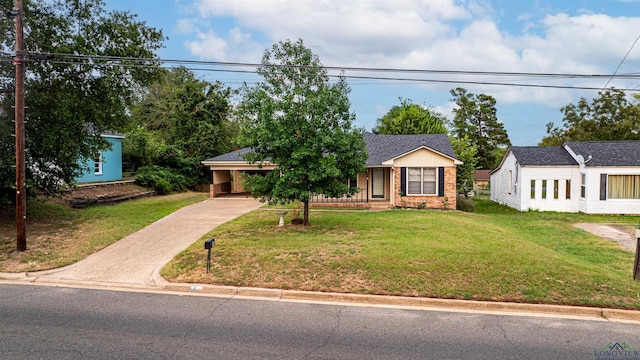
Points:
[(621, 62), (148, 63)]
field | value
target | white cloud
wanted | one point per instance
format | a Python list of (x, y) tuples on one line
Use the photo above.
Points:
[(428, 34)]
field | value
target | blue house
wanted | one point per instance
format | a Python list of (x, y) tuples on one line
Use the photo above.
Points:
[(108, 166)]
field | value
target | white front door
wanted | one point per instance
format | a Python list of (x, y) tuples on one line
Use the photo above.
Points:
[(377, 183)]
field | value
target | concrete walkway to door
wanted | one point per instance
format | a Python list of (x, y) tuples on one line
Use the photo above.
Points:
[(136, 260)]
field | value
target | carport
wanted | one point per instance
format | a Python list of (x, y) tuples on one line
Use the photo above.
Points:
[(228, 170)]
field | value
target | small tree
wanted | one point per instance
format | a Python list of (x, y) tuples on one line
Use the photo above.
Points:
[(466, 173), (299, 121)]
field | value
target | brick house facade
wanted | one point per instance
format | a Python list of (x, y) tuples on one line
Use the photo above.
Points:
[(417, 171)]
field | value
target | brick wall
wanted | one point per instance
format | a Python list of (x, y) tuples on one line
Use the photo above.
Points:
[(431, 202)]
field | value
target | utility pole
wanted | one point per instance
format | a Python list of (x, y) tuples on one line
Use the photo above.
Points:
[(21, 193)]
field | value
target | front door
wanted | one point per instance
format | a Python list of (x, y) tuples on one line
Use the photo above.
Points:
[(377, 183)]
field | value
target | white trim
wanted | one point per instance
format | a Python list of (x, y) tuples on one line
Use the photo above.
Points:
[(390, 161), (97, 165)]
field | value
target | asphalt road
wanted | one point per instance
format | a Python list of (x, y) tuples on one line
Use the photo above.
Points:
[(40, 322)]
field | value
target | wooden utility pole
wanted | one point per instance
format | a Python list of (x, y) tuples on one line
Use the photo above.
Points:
[(21, 193)]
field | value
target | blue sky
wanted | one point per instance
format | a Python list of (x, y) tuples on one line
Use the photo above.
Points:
[(589, 37)]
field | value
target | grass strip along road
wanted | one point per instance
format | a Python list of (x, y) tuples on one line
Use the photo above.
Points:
[(495, 254)]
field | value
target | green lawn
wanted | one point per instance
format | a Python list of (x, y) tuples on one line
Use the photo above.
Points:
[(59, 236), (495, 253)]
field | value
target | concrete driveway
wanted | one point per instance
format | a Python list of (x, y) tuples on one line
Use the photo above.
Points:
[(136, 260)]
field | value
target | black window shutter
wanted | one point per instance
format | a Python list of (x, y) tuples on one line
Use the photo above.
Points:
[(603, 186), (403, 180), (440, 181)]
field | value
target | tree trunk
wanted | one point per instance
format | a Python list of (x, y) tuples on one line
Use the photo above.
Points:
[(305, 217)]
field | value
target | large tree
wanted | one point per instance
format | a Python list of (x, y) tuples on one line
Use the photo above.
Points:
[(409, 118), (610, 116), (180, 110), (299, 120), (79, 85), (475, 118)]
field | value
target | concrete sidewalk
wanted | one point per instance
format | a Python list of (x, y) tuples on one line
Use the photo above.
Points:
[(136, 260)]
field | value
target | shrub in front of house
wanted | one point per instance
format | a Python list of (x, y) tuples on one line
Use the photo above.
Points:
[(464, 203)]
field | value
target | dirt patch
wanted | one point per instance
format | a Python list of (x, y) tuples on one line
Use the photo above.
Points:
[(623, 235), (101, 193)]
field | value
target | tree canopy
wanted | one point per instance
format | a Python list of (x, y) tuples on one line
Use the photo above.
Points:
[(180, 121), (409, 118), (299, 120), (610, 116), (475, 119), (76, 87)]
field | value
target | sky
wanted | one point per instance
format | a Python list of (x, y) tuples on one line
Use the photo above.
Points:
[(522, 38)]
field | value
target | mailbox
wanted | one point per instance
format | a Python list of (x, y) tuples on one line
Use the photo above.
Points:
[(209, 243)]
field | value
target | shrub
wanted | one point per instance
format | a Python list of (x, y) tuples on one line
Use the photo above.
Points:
[(464, 204), (161, 179)]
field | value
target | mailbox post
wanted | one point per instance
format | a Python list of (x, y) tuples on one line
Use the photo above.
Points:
[(208, 245), (636, 263)]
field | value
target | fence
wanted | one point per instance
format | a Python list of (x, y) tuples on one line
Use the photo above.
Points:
[(359, 197)]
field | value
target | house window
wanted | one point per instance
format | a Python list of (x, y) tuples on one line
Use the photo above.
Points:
[(97, 165), (556, 185), (510, 181), (567, 190), (422, 181), (351, 182), (623, 187), (533, 189), (544, 189), (583, 185)]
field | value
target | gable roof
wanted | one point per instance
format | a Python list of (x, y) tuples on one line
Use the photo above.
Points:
[(380, 148), (607, 153), (542, 156)]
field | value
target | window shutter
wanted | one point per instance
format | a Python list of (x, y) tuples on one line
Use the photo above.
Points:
[(403, 180), (603, 186), (440, 181)]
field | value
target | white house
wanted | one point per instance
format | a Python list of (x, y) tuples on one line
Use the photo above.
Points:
[(594, 177)]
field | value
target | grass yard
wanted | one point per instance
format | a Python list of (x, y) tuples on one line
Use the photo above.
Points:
[(59, 236), (495, 254)]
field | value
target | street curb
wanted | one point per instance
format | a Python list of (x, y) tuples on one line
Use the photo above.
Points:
[(340, 298), (409, 302)]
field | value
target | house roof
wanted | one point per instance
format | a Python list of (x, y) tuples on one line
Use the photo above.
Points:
[(542, 156), (483, 175), (607, 153), (232, 156), (380, 148)]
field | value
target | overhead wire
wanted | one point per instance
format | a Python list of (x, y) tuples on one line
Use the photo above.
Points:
[(229, 67)]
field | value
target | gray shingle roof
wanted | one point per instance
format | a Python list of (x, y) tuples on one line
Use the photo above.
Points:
[(608, 153), (232, 156), (542, 155), (380, 147), (385, 147)]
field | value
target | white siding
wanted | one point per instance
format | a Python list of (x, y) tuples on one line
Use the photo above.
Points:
[(551, 174), (592, 203), (519, 197), (423, 158), (500, 191)]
